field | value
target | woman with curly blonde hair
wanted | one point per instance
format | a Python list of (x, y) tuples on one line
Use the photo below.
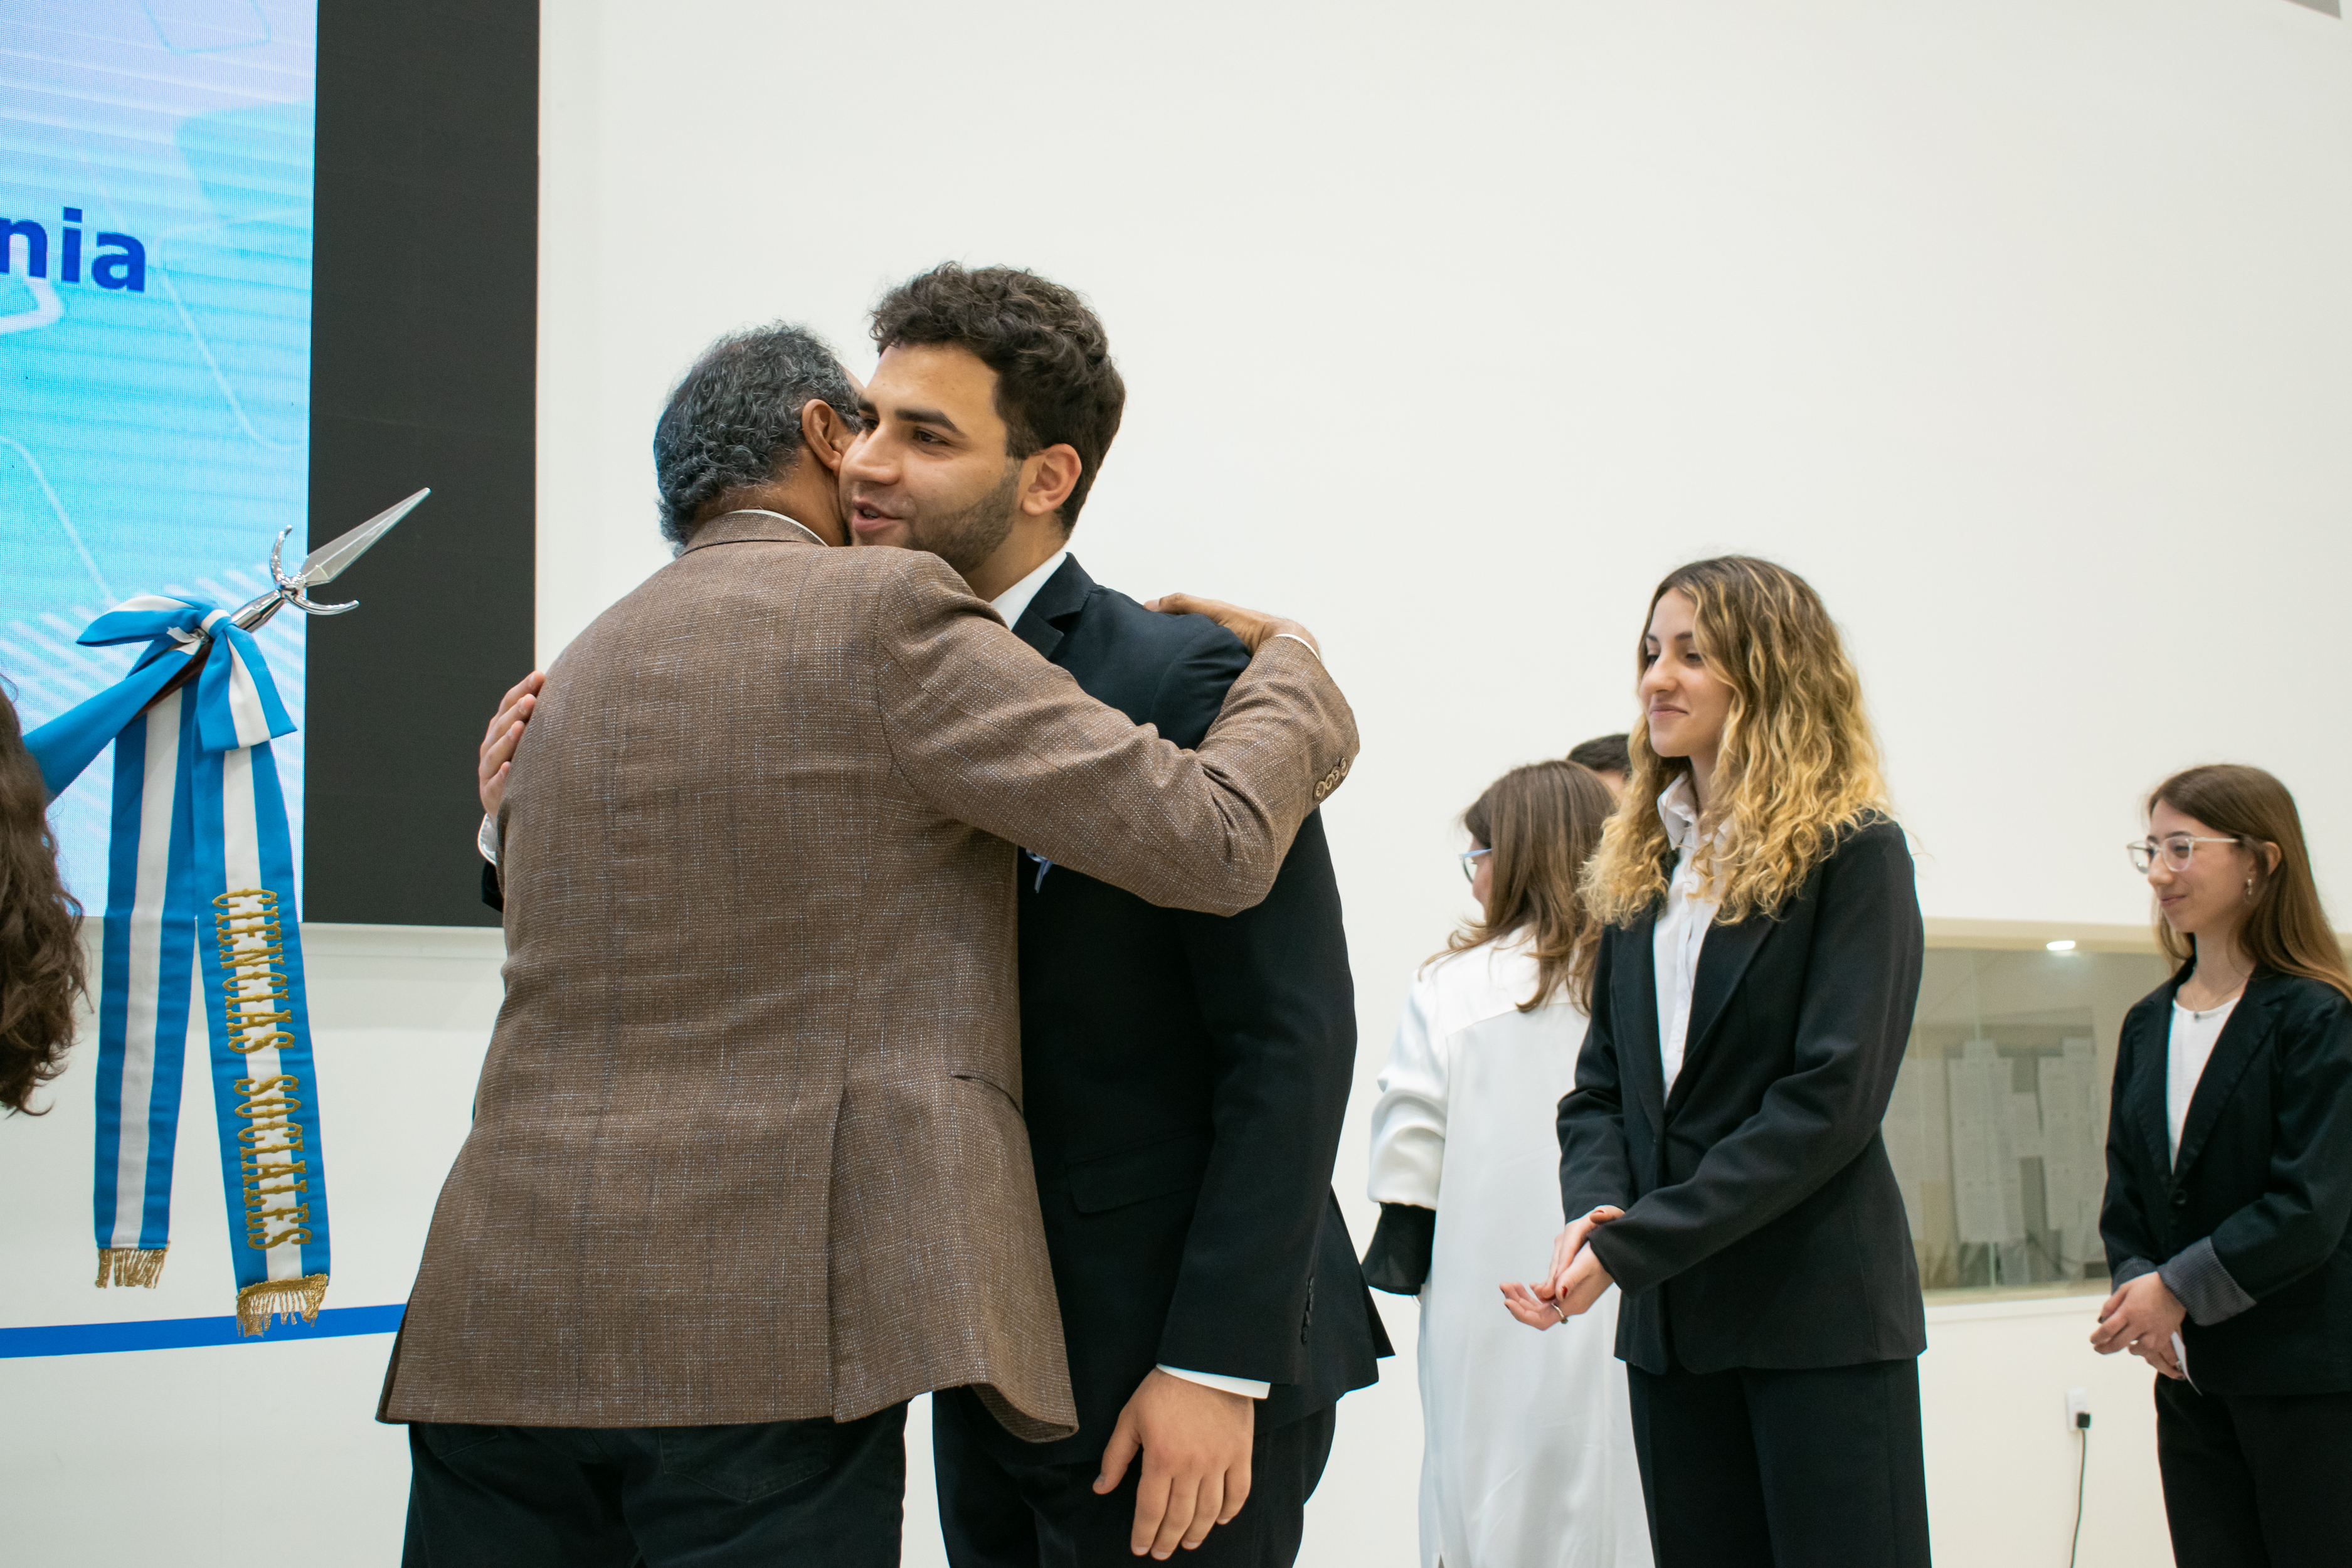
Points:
[(1721, 1151), (40, 944)]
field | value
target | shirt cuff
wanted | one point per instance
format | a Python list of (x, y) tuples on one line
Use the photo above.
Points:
[(2195, 1275), (1245, 1386), (487, 840), (1397, 1260), (1302, 642)]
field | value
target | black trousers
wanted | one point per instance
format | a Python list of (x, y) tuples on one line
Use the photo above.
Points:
[(712, 1497), (1001, 1514), (1807, 1469), (2255, 1480)]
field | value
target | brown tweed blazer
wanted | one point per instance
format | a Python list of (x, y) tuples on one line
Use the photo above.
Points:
[(748, 1144)]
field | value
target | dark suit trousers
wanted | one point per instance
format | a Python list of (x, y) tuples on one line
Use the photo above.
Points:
[(814, 1492), (2255, 1480), (1808, 1469), (996, 1514)]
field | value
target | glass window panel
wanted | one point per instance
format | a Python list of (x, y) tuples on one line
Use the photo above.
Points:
[(1997, 1127)]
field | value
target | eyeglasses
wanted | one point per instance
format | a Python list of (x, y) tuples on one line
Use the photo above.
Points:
[(2175, 850), (1470, 863)]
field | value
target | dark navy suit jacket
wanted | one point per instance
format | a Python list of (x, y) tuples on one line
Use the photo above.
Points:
[(1184, 1077)]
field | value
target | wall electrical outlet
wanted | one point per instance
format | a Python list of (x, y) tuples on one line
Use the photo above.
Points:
[(2078, 1408)]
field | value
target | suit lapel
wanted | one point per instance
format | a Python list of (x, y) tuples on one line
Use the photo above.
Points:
[(1723, 958), (1046, 621), (2144, 1094), (2242, 1037), (1638, 1058)]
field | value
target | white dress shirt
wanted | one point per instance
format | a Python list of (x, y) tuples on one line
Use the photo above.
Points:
[(2188, 1049), (1681, 927), (1015, 599)]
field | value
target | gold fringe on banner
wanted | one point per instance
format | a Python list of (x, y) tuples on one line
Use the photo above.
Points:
[(258, 1305), (130, 1265)]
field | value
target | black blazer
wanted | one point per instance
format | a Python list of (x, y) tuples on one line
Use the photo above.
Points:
[(2247, 1226), (1184, 1077), (1763, 1226)]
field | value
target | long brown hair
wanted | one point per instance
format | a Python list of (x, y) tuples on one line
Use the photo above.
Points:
[(1798, 764), (40, 942), (2284, 928), (1542, 822)]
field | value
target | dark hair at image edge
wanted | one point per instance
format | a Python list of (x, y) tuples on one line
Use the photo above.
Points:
[(2285, 930), (40, 942), (734, 420), (1055, 383), (1542, 822), (1603, 754)]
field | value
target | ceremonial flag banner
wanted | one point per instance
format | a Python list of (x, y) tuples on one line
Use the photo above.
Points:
[(200, 882)]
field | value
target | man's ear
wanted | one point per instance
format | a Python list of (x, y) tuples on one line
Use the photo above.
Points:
[(826, 433), (1047, 477)]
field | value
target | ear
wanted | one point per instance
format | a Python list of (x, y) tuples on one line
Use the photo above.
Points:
[(2271, 857), (1047, 477), (826, 433)]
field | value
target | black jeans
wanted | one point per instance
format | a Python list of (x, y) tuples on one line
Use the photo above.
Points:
[(1815, 1467), (1004, 1515), (580, 1497), (2255, 1480)]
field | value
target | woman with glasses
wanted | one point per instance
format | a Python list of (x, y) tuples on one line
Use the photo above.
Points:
[(1720, 1154), (1527, 1457), (2230, 1181)]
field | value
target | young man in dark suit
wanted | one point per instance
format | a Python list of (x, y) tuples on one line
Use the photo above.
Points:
[(1184, 1077)]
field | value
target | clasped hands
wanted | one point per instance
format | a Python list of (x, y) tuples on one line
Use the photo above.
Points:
[(1575, 1281), (2141, 1317)]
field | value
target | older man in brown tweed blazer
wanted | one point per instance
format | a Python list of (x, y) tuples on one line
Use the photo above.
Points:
[(748, 1146)]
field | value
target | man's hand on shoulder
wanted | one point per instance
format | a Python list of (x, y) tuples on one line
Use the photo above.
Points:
[(1195, 1442), (499, 742), (1252, 626)]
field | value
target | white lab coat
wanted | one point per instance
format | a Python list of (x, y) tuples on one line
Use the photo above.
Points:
[(1527, 1458)]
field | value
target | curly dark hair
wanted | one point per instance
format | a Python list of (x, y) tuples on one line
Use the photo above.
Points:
[(40, 940), (735, 418), (1055, 383)]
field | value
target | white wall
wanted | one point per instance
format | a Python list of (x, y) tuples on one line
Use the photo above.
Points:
[(149, 1460), (2017, 326)]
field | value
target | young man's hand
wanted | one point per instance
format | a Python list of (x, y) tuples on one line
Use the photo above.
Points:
[(499, 742), (1195, 1442)]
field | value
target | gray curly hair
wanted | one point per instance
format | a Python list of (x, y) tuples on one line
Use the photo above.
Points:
[(734, 419)]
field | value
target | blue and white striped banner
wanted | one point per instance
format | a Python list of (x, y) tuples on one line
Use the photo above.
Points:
[(200, 883)]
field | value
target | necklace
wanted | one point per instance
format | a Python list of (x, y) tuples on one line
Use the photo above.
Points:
[(2236, 989)]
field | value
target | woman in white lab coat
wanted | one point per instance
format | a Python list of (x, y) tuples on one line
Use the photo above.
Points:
[(1527, 1458)]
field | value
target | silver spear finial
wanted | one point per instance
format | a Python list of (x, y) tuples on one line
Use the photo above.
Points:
[(321, 566)]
